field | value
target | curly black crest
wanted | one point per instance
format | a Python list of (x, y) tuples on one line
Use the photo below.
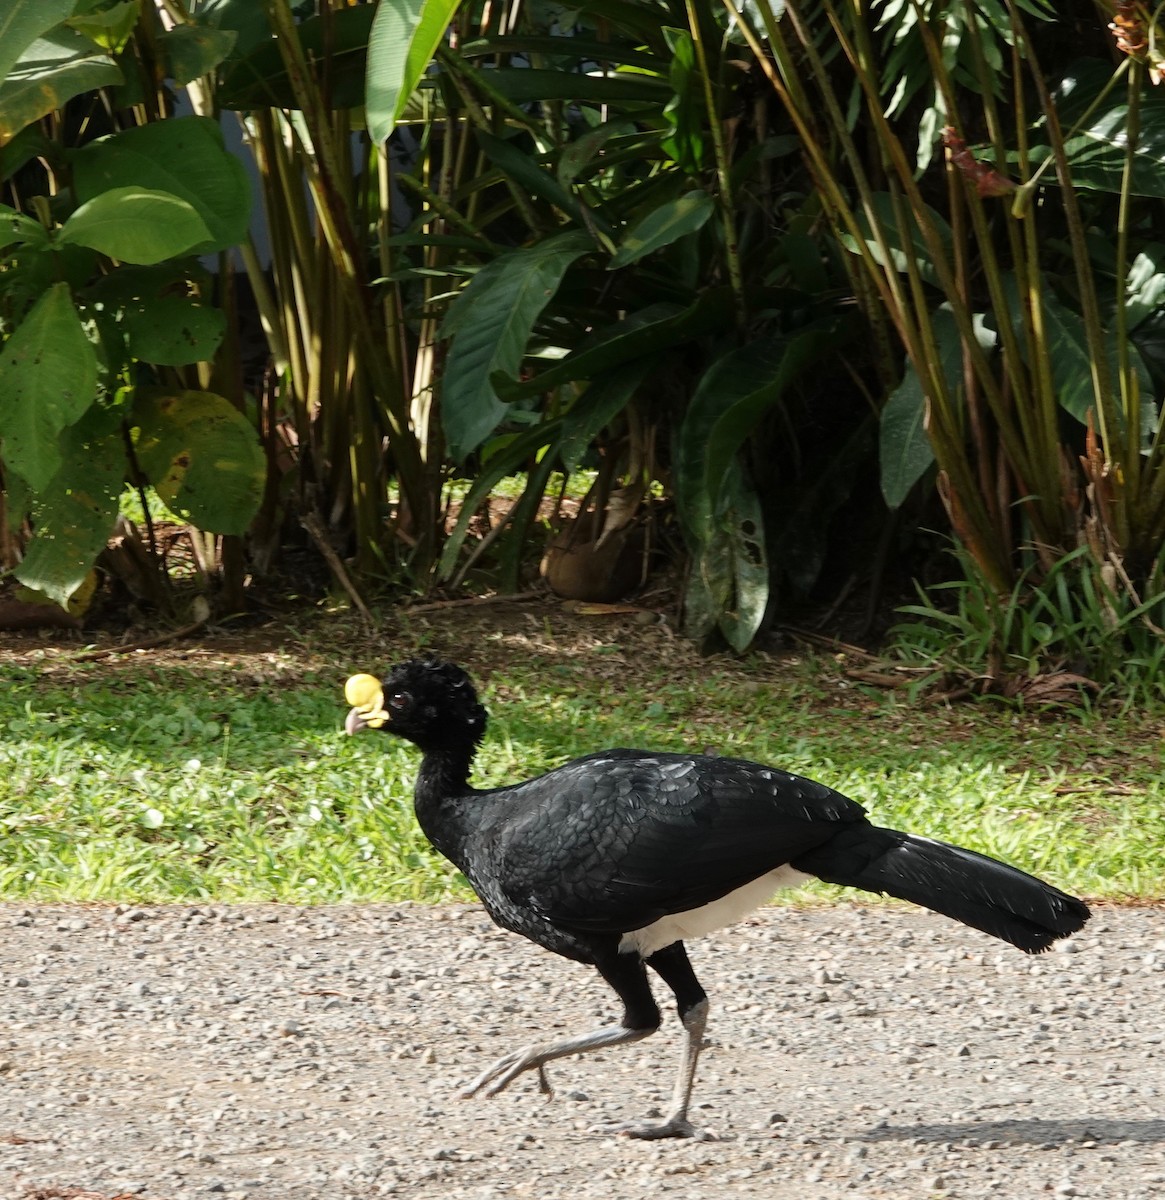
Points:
[(441, 700)]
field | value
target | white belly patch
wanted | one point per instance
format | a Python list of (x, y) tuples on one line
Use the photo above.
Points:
[(698, 921)]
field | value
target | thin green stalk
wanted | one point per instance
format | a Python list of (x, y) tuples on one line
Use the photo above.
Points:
[(1129, 390), (786, 82), (723, 171), (330, 187), (1090, 310)]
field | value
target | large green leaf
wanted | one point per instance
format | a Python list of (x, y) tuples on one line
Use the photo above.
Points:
[(745, 386), (521, 168), (203, 458), (245, 19), (136, 225), (162, 323), (18, 230), (742, 525), (75, 513), (48, 378), (184, 156), (904, 450), (22, 22), (901, 249), (336, 46), (1145, 289), (1097, 151), (686, 112), (405, 36), (191, 51), (648, 331), (728, 579), (1070, 359), (664, 225), (110, 28), (491, 323), (605, 398), (50, 72)]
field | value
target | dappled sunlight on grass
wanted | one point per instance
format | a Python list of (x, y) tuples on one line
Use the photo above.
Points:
[(226, 775)]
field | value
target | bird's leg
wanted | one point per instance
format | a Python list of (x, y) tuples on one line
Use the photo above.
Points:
[(672, 966), (502, 1073), (625, 973)]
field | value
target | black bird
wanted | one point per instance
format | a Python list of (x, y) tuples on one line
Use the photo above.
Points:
[(617, 857)]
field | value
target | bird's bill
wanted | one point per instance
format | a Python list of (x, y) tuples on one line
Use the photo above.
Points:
[(366, 696)]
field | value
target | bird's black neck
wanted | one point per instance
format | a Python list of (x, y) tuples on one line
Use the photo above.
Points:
[(444, 799)]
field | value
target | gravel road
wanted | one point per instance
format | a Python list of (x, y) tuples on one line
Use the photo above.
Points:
[(274, 1053)]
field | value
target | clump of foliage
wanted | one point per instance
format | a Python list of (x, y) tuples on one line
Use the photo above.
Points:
[(1071, 636), (105, 307)]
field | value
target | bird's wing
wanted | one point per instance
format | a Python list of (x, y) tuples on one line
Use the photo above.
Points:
[(617, 840)]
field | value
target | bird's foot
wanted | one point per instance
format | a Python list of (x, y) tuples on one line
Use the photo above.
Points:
[(673, 1127), (499, 1075)]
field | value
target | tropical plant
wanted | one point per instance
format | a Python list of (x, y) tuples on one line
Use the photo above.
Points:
[(626, 278), (105, 310), (1063, 635), (1009, 240)]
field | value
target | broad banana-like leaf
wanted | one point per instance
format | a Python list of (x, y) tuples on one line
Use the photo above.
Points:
[(1070, 359), (731, 397), (22, 22), (913, 247), (904, 450), (405, 36), (650, 330), (49, 73), (1097, 153), (664, 225), (491, 322)]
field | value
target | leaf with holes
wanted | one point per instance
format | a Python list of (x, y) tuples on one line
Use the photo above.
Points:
[(203, 458), (48, 378), (163, 321), (75, 513)]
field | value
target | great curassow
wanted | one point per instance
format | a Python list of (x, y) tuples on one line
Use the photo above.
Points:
[(617, 857)]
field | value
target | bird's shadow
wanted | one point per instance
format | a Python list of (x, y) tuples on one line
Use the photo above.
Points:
[(1032, 1131)]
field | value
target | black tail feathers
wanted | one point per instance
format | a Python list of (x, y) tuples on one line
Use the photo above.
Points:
[(968, 887)]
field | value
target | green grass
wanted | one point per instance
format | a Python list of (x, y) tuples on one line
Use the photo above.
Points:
[(231, 779)]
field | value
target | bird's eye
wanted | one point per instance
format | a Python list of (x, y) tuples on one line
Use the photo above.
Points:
[(398, 701)]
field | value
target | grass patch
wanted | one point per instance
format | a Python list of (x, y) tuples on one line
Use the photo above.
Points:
[(227, 777)]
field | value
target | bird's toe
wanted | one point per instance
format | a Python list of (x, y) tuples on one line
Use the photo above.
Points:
[(673, 1127)]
